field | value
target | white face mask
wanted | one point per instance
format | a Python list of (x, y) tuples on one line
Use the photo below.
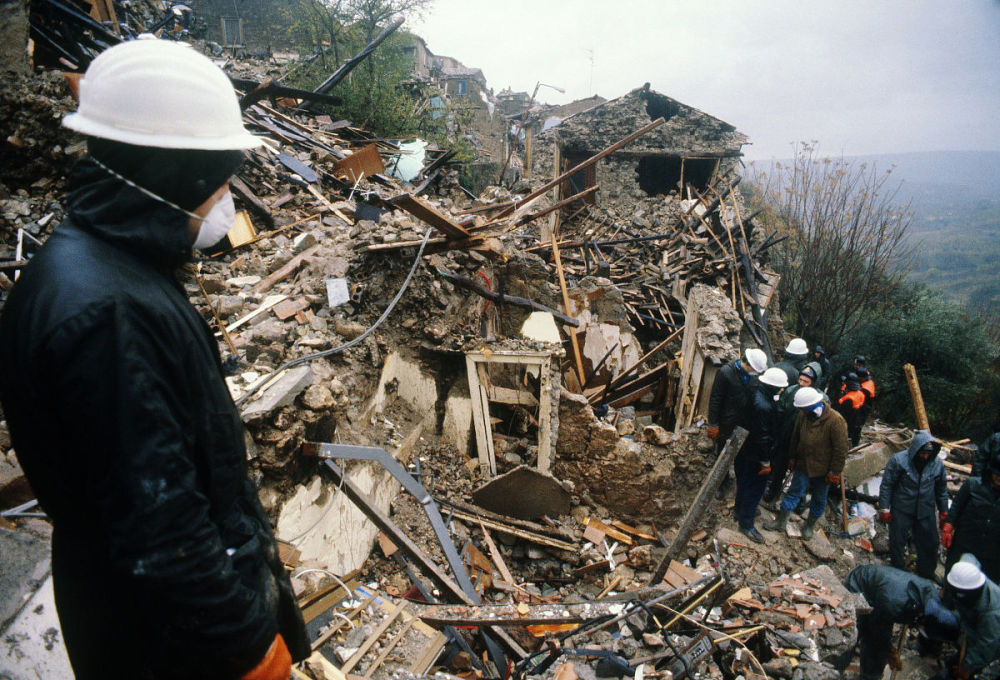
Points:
[(217, 222)]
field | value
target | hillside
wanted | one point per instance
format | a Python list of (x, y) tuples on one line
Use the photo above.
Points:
[(955, 198)]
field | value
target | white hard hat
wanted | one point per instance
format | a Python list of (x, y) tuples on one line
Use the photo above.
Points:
[(756, 358), (966, 576), (797, 346), (807, 396), (161, 94), (774, 377)]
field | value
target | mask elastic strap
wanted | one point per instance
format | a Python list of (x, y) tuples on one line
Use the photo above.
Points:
[(146, 191)]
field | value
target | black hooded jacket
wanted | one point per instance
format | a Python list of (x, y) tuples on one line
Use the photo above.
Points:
[(164, 562)]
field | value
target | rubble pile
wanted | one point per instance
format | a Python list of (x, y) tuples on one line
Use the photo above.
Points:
[(538, 377)]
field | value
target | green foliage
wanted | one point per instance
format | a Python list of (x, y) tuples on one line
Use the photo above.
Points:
[(953, 354)]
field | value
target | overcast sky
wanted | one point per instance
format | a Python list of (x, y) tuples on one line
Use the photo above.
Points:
[(859, 76)]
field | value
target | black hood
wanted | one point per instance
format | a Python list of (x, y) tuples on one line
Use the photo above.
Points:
[(104, 205)]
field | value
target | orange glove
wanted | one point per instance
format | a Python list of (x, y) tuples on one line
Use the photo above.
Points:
[(765, 469), (712, 431), (885, 516), (947, 534), (942, 516), (832, 478), (276, 664)]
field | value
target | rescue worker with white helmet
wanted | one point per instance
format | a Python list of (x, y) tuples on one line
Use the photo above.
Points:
[(164, 563), (796, 357), (976, 600), (753, 462), (817, 451)]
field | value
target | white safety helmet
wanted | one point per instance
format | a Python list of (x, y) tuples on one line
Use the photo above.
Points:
[(966, 576), (756, 358), (774, 377), (797, 346), (807, 396), (161, 94)]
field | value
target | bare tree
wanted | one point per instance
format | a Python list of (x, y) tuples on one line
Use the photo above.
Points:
[(846, 252)]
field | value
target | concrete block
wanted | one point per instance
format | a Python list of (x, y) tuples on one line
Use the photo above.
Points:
[(456, 430), (280, 394), (869, 461), (540, 326), (412, 384)]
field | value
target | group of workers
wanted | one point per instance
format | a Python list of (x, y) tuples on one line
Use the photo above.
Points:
[(792, 426)]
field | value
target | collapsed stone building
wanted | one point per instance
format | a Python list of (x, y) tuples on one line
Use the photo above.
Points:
[(527, 414)]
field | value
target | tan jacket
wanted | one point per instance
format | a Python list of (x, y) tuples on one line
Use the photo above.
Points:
[(819, 446)]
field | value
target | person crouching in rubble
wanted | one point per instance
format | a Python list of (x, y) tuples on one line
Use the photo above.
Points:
[(895, 596), (913, 500), (753, 462), (732, 394), (817, 451), (163, 560), (976, 600)]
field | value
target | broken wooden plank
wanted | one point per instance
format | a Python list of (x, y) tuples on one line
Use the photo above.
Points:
[(362, 163), (609, 531), (508, 616), (513, 397), (577, 355), (426, 212), (373, 638), (284, 271), (529, 536), (250, 198), (918, 400)]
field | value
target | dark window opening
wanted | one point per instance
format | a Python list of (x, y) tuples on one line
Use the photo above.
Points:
[(659, 175), (698, 172), (578, 181), (661, 107)]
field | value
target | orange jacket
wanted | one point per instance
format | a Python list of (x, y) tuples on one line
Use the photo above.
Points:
[(869, 387), (856, 397)]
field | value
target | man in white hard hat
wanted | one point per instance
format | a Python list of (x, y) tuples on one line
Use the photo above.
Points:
[(732, 391), (796, 357), (753, 462), (163, 560), (976, 599), (817, 451)]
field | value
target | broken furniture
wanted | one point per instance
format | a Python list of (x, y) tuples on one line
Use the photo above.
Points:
[(483, 390)]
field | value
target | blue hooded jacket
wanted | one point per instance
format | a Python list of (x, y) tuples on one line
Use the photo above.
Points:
[(910, 491)]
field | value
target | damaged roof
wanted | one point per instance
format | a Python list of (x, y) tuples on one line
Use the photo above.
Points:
[(686, 130)]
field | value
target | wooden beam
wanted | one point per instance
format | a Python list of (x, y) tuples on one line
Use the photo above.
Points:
[(918, 400), (426, 212), (577, 357), (282, 272)]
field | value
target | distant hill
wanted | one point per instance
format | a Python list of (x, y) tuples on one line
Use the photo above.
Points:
[(955, 199)]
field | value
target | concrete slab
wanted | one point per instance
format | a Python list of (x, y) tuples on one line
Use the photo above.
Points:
[(24, 564), (524, 493), (871, 460), (318, 518), (456, 430), (32, 645), (279, 394), (406, 380)]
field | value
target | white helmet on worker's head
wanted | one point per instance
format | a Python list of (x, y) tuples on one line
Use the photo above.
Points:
[(806, 397), (756, 359), (966, 575), (797, 347), (774, 377), (161, 94)]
